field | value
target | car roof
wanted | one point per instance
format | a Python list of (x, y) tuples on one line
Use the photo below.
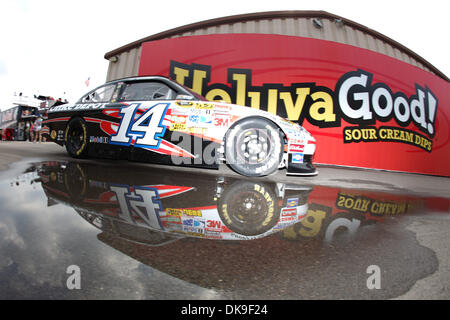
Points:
[(139, 78)]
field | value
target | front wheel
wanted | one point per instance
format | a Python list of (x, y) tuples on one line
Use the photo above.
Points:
[(76, 138), (254, 147), (248, 208)]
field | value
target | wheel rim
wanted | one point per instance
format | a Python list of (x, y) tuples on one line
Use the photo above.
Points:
[(76, 137), (254, 146), (248, 207)]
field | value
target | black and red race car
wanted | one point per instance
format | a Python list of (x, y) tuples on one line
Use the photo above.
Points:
[(182, 205), (155, 119)]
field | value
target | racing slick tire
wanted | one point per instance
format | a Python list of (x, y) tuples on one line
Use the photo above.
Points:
[(254, 147), (248, 208), (76, 138), (75, 182)]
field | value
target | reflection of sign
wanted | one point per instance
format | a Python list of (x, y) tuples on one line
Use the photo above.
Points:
[(357, 203), (334, 210), (365, 109)]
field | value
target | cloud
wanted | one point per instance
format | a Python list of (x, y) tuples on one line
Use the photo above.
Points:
[(3, 68), (51, 47)]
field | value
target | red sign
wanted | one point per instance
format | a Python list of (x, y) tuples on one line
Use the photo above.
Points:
[(364, 108)]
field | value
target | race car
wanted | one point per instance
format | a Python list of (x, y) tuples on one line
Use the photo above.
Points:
[(137, 201), (154, 119)]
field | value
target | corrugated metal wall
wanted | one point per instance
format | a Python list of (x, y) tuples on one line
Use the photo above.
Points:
[(126, 66), (332, 30)]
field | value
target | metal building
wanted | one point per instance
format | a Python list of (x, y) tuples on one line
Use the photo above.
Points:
[(124, 61)]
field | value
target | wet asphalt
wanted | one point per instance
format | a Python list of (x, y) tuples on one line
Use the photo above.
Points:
[(140, 231)]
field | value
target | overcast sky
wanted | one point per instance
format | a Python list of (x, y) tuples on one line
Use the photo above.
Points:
[(51, 47)]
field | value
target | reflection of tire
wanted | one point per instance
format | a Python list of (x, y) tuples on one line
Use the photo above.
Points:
[(254, 147), (76, 138), (248, 208), (75, 181)]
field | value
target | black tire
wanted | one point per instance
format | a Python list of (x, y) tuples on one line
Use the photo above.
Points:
[(254, 147), (76, 138), (248, 208), (75, 182)]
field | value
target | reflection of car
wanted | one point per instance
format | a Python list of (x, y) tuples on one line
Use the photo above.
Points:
[(157, 120), (183, 205)]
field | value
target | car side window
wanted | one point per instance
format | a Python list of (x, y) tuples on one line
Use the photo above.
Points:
[(141, 91), (102, 94)]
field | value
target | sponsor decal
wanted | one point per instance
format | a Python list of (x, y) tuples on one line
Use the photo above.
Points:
[(181, 212), (200, 118), (60, 136), (93, 139), (193, 226), (171, 219), (208, 106), (297, 158), (178, 118), (213, 234), (191, 212), (288, 212), (197, 130), (184, 104), (287, 219), (177, 127), (194, 118), (292, 202), (77, 107), (174, 212), (221, 120), (213, 225), (295, 147)]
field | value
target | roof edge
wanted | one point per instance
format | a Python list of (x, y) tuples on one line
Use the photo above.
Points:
[(275, 15)]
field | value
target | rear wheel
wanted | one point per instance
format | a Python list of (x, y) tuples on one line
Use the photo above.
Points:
[(76, 138), (254, 147)]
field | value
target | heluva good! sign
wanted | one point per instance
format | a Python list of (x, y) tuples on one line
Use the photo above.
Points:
[(364, 108)]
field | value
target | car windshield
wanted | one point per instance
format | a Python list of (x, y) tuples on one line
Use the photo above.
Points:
[(196, 95)]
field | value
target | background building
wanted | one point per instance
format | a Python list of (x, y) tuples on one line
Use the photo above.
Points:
[(369, 101)]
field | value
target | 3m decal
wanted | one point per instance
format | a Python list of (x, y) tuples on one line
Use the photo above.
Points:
[(213, 225)]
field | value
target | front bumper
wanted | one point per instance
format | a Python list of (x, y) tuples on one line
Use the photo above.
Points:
[(300, 165)]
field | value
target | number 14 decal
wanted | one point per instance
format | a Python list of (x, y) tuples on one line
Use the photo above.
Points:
[(145, 130)]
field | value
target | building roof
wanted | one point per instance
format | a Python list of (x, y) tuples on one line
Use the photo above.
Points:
[(274, 15)]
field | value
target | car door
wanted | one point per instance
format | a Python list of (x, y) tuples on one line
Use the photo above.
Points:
[(145, 121)]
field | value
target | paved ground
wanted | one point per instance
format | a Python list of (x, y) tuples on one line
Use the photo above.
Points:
[(413, 252), (328, 176)]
